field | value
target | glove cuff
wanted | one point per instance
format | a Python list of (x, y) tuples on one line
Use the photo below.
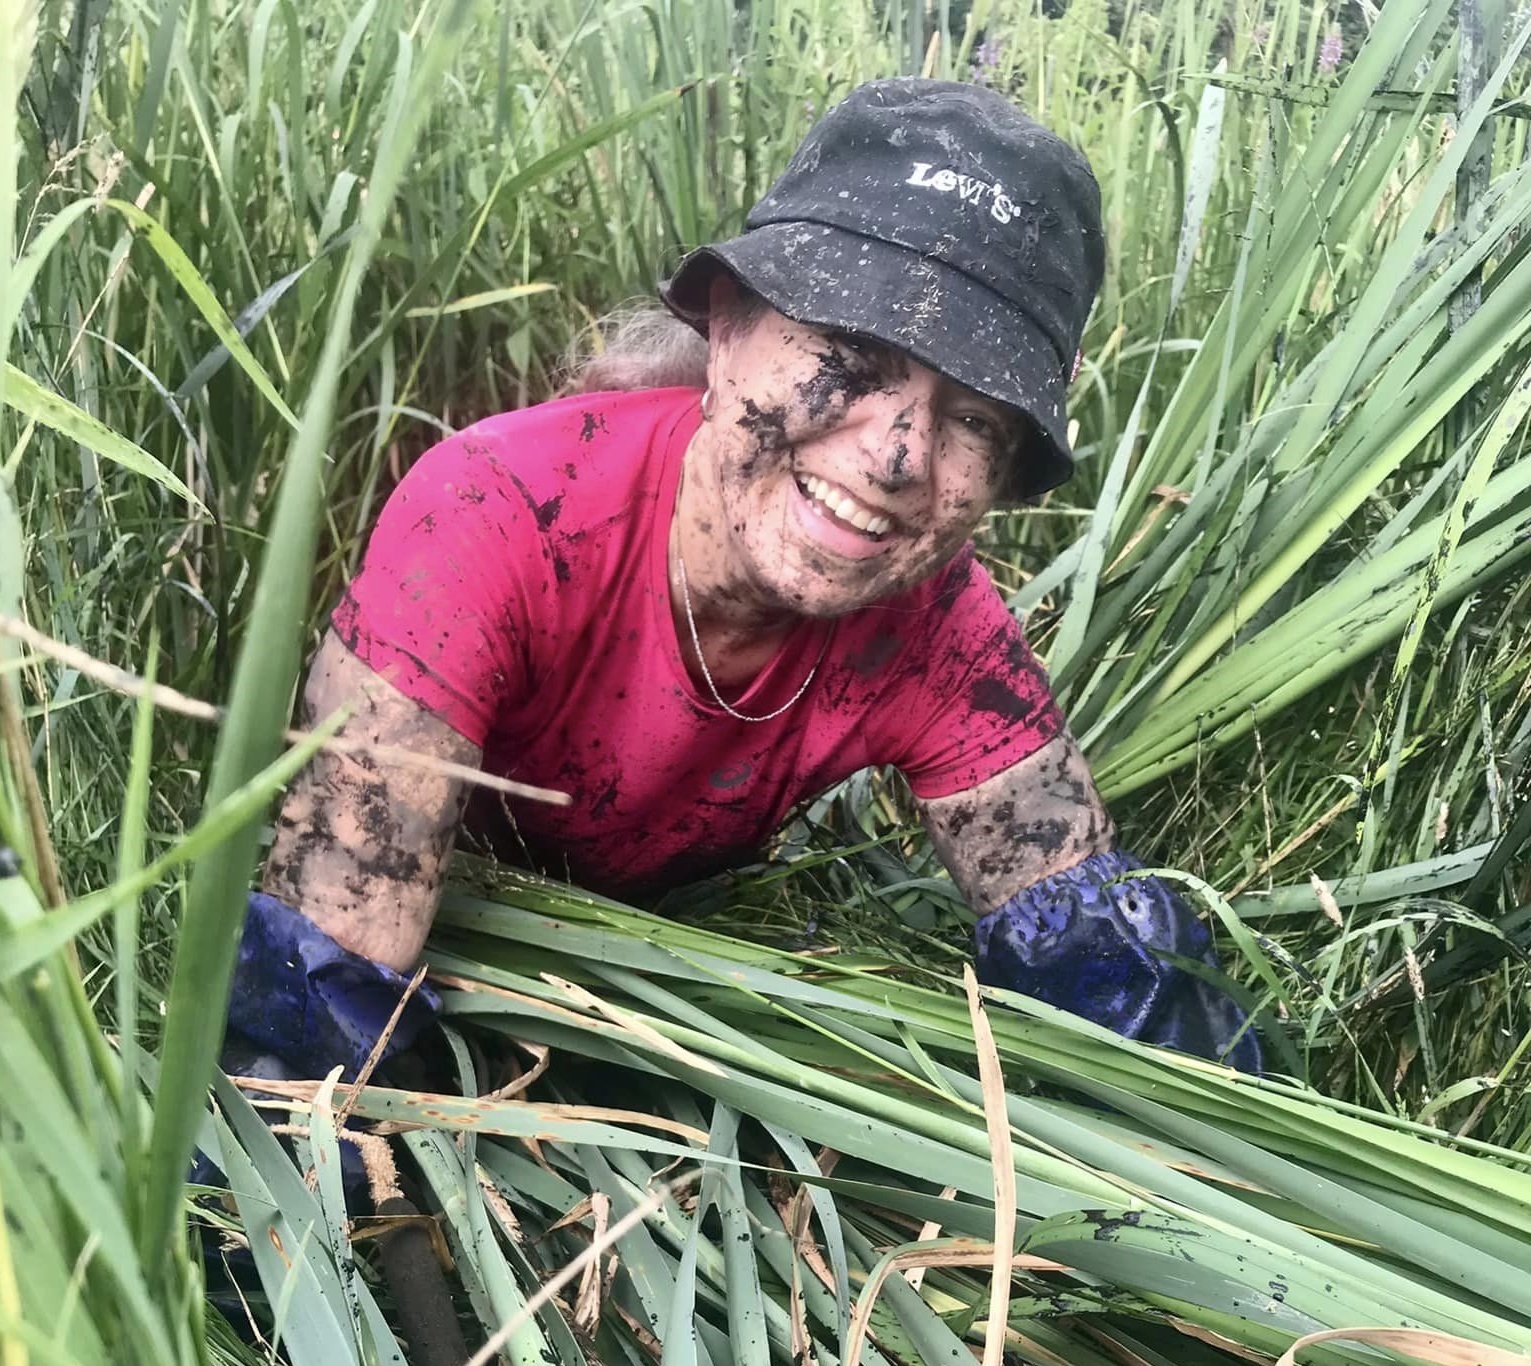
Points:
[(1064, 941), (301, 996)]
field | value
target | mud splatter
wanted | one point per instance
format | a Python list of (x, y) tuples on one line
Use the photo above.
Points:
[(603, 799), (992, 695), (960, 820), (1018, 655), (547, 513), (767, 425), (878, 653), (1047, 837), (840, 380), (345, 621), (733, 776), (590, 424), (393, 864)]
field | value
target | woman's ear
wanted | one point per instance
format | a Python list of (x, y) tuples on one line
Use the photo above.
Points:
[(722, 306)]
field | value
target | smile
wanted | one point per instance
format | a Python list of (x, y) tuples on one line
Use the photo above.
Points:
[(832, 501)]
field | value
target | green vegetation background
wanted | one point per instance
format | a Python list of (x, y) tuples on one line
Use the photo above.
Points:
[(254, 256), (572, 151)]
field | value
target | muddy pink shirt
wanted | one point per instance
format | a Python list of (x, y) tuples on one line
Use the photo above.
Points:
[(517, 587)]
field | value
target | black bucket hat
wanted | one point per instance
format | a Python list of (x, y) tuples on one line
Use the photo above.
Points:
[(939, 219)]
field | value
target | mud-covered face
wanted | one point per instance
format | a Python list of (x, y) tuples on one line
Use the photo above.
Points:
[(846, 471)]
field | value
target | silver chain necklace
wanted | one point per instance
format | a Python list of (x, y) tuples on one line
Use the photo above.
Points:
[(696, 644)]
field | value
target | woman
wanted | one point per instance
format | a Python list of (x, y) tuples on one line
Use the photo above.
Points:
[(691, 610)]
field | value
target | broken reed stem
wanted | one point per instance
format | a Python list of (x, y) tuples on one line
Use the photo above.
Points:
[(376, 1055), (598, 1245), (1002, 1163), (964, 1252), (458, 1112), (168, 699), (15, 737), (1420, 1343)]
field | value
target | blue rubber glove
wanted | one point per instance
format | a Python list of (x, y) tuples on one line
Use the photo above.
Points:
[(1088, 947), (300, 1004), (299, 996)]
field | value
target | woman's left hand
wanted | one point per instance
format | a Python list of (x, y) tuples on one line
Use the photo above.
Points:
[(1033, 850)]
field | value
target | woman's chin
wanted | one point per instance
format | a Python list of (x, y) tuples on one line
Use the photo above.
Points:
[(813, 593)]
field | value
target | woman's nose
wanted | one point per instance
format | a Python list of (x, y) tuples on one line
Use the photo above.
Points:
[(906, 449), (903, 433)]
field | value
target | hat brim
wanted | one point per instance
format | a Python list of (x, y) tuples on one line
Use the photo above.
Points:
[(830, 277)]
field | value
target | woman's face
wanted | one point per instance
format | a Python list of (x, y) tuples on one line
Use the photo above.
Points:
[(846, 471)]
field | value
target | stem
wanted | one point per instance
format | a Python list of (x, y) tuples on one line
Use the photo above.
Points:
[(51, 887)]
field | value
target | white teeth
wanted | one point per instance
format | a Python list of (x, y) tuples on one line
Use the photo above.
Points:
[(845, 507)]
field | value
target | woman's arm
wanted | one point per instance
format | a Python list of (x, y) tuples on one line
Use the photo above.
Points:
[(361, 848), (1035, 819), (1034, 852)]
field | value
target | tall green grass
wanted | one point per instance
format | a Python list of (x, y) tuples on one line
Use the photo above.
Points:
[(256, 258)]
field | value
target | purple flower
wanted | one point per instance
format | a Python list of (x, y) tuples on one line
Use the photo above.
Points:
[(985, 61), (1330, 53)]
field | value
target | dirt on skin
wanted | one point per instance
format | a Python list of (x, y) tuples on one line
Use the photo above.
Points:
[(361, 848), (1036, 819), (788, 396)]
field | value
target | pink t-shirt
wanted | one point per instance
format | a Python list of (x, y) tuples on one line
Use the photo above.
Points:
[(516, 586)]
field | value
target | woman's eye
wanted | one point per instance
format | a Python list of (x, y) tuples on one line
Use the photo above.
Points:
[(990, 430)]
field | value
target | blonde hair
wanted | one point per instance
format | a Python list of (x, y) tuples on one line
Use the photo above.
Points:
[(638, 345), (642, 345)]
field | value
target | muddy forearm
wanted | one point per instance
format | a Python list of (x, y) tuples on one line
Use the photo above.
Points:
[(361, 847), (1036, 819), (1033, 851)]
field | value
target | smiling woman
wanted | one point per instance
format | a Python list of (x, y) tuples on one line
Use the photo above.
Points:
[(833, 470), (690, 607)]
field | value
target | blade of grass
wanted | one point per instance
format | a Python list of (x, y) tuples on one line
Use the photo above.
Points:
[(822, 1199), (265, 674), (32, 943), (282, 1220), (997, 1122), (125, 930), (746, 1312), (23, 393)]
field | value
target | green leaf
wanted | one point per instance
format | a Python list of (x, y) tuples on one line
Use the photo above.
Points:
[(29, 398), (28, 944), (267, 669)]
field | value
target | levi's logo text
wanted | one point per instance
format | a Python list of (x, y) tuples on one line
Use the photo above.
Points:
[(968, 188)]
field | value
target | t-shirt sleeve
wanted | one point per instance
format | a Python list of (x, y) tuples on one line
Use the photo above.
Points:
[(974, 700), (455, 583)]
